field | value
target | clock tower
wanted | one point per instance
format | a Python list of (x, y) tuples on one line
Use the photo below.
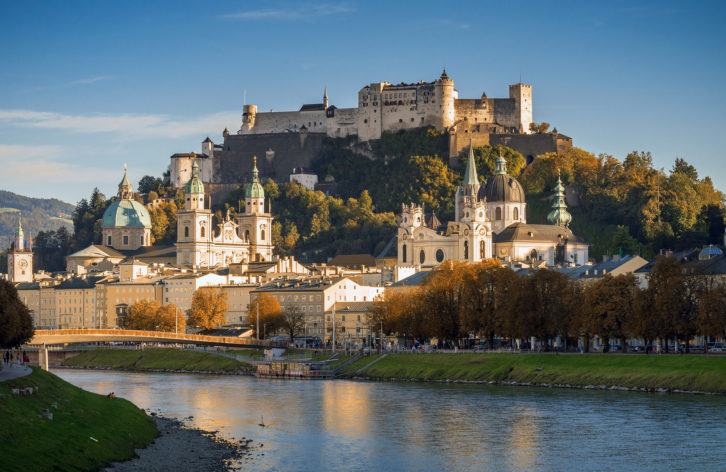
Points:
[(20, 259)]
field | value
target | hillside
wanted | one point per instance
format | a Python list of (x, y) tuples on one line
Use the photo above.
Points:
[(39, 214)]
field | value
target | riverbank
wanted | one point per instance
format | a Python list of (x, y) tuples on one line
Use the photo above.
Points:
[(62, 427), (688, 374), (180, 447), (159, 360)]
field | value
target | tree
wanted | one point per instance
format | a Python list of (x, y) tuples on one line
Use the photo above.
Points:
[(208, 308), (293, 321), (266, 309), (16, 324), (711, 318), (151, 315), (539, 128), (608, 308), (149, 183)]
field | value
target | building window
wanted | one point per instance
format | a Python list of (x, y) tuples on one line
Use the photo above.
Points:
[(403, 249), (482, 249), (498, 214), (466, 250), (202, 231), (126, 240), (422, 256), (186, 231), (109, 240), (516, 213), (247, 235), (439, 255)]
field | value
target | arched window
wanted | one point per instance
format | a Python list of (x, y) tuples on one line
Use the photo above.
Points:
[(403, 257), (498, 214), (466, 249), (482, 249), (422, 256), (516, 214), (262, 233), (186, 231), (247, 235), (202, 231)]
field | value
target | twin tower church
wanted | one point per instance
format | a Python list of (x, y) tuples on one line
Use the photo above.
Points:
[(490, 221), (126, 226)]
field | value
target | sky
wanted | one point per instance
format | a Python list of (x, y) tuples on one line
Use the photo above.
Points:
[(86, 87)]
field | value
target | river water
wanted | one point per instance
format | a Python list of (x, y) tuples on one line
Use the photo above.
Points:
[(328, 425)]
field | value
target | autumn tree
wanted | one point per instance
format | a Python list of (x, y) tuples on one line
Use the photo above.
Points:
[(442, 300), (16, 324), (480, 314), (265, 312), (151, 315), (208, 308), (608, 308), (293, 321), (711, 319)]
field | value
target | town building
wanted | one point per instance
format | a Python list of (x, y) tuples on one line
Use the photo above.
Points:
[(304, 177), (126, 223)]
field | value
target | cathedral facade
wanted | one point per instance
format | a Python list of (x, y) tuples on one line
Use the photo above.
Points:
[(246, 238), (490, 221)]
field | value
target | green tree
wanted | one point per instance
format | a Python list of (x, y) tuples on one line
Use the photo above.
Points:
[(149, 183), (16, 324)]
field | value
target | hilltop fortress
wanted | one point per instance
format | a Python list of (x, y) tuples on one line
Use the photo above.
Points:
[(293, 139), (384, 107)]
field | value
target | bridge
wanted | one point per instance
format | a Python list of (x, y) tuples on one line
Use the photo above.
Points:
[(49, 337)]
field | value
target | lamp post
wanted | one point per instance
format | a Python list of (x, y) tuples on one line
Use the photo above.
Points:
[(258, 319)]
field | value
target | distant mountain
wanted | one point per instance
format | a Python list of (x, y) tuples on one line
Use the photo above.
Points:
[(39, 214)]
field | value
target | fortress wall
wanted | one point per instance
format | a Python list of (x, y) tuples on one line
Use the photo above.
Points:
[(277, 154), (474, 111), (343, 123), (505, 112), (284, 121), (530, 145), (181, 169)]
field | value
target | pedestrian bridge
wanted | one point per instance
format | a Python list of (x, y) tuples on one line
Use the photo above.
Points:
[(50, 337)]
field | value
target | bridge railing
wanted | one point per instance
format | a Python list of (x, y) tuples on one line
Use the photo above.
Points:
[(155, 335)]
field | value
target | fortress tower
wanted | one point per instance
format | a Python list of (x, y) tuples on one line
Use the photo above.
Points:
[(522, 96), (447, 96)]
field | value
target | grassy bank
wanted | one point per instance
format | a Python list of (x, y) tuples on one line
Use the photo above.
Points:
[(689, 373), (30, 441), (156, 359)]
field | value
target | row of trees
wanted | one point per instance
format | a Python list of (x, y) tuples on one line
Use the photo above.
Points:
[(272, 319), (491, 301)]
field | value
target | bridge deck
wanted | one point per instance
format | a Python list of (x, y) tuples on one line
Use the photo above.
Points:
[(69, 336)]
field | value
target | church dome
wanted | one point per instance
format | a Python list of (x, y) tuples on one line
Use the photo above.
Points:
[(502, 187), (255, 189), (126, 213), (194, 185)]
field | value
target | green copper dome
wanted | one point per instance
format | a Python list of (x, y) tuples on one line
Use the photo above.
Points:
[(126, 213), (195, 184), (254, 189)]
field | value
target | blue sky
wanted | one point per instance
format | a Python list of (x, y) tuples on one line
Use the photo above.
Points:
[(88, 86)]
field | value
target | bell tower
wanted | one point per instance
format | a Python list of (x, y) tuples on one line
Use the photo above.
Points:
[(255, 224), (194, 226), (20, 259)]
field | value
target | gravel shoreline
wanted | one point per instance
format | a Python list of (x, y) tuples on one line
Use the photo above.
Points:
[(182, 447)]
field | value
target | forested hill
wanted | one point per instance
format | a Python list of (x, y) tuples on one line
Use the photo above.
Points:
[(39, 214)]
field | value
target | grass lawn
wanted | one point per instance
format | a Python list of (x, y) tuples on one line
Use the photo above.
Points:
[(701, 373), (154, 359), (31, 442)]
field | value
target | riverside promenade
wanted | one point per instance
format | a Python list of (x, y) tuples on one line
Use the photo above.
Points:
[(13, 371)]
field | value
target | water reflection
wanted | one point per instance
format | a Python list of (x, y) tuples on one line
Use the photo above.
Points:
[(344, 425)]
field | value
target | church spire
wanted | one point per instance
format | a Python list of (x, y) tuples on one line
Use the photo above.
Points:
[(125, 189), (470, 177), (325, 97), (19, 235), (559, 215)]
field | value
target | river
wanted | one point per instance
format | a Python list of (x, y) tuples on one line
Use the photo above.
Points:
[(330, 425)]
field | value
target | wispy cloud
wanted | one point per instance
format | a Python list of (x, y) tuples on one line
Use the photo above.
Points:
[(73, 83), (297, 12), (32, 164), (122, 125)]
